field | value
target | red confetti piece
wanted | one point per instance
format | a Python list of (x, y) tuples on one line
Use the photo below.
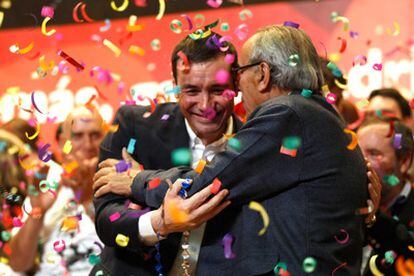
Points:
[(190, 23), (289, 152), (70, 60), (84, 14), (154, 183), (216, 186), (343, 44), (338, 267), (75, 13), (391, 131)]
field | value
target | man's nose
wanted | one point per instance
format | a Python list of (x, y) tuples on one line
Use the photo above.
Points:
[(205, 101)]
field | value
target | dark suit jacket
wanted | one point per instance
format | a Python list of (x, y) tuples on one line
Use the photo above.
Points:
[(393, 231), (155, 138), (309, 198)]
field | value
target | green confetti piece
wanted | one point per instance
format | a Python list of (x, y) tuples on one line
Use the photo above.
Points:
[(389, 256), (234, 144), (309, 264), (5, 236), (392, 180), (94, 259), (306, 93), (181, 157), (293, 60), (278, 267), (292, 142)]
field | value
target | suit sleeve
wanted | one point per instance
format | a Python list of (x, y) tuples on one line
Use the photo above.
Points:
[(109, 204), (255, 172)]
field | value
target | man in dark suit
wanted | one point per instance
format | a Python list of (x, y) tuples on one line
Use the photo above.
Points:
[(312, 188), (189, 125), (390, 154)]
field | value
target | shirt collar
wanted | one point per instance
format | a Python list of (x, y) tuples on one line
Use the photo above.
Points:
[(405, 191), (194, 140)]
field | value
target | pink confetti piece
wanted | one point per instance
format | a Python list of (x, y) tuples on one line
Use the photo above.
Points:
[(214, 3), (17, 222), (241, 31), (344, 240), (227, 243), (229, 94), (59, 245), (229, 58), (331, 98), (114, 216), (47, 11), (209, 113), (222, 76), (377, 66)]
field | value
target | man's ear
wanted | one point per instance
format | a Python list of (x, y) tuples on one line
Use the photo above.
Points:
[(263, 77), (406, 163)]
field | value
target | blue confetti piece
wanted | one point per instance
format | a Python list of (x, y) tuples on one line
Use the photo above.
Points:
[(131, 146)]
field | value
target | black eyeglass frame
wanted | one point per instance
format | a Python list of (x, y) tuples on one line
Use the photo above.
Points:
[(241, 68)]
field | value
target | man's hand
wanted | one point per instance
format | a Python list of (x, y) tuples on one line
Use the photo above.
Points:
[(374, 188), (186, 214), (108, 180)]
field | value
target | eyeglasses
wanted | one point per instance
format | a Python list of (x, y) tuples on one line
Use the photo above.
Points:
[(241, 68)]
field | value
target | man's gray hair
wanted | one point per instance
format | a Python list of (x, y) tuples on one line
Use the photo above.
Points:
[(278, 45)]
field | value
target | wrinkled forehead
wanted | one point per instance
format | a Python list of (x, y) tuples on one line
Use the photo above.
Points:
[(375, 135)]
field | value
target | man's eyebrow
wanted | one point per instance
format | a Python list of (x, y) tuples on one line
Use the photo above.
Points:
[(188, 86)]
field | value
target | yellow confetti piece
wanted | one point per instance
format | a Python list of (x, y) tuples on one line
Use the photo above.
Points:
[(15, 48), (120, 8), (133, 49), (131, 27), (47, 33), (35, 134), (396, 29), (344, 20), (334, 57), (43, 64), (1, 18), (259, 208), (411, 248), (341, 85), (112, 47), (4, 260), (13, 90), (13, 150), (161, 10), (354, 142), (375, 271), (67, 147), (69, 224), (200, 166), (122, 240)]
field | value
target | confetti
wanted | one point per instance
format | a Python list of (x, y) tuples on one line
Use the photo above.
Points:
[(245, 14), (331, 98), (75, 13), (132, 27), (291, 24), (190, 23), (114, 216), (47, 33), (47, 11), (94, 259), (339, 267), (259, 208), (59, 246), (306, 93), (214, 3), (342, 19), (392, 180), (112, 47), (185, 64), (241, 32), (209, 113), (360, 60), (291, 142), (229, 58), (228, 94), (181, 156), (69, 59), (234, 144), (215, 188), (43, 153), (199, 20), (122, 166), (131, 146), (1, 18), (17, 222), (390, 256), (227, 244), (373, 267), (224, 26), (200, 166), (133, 49), (391, 131), (155, 44), (122, 240), (343, 44), (289, 152), (176, 26), (377, 66), (280, 268), (397, 141), (345, 239), (154, 183), (106, 27), (309, 264), (293, 60), (34, 134), (354, 142), (161, 9), (396, 29), (120, 8), (67, 147), (15, 49), (222, 76)]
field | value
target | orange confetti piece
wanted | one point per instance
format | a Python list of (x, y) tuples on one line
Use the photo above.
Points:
[(354, 142), (200, 166)]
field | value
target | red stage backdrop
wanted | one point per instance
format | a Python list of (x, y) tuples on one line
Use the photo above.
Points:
[(381, 31)]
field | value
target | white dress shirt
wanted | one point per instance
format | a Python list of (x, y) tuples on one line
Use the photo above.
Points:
[(199, 152)]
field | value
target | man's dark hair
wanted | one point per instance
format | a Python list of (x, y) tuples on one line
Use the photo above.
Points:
[(407, 142), (396, 96), (202, 49)]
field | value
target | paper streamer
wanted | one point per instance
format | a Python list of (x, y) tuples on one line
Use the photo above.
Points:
[(259, 208)]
